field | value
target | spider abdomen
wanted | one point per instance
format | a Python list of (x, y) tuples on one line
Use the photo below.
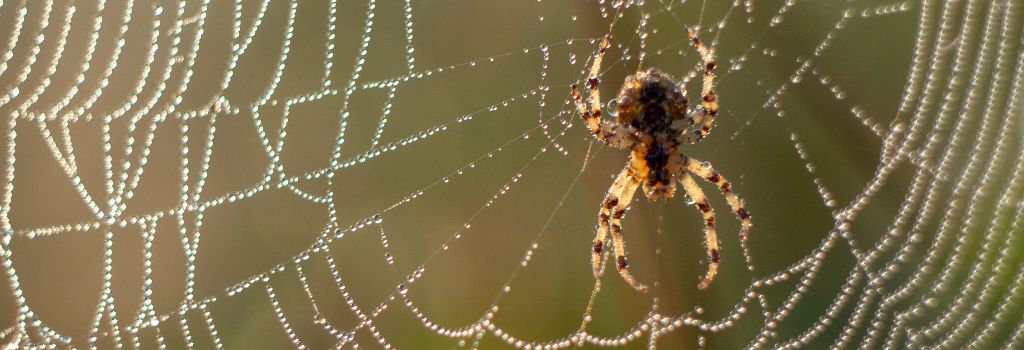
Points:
[(653, 120)]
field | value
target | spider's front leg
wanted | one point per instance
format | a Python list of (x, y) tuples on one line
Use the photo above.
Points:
[(710, 234), (705, 171), (610, 217), (708, 173), (607, 132), (611, 200)]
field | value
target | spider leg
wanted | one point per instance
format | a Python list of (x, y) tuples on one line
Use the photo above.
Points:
[(704, 170), (621, 263), (611, 200), (705, 114), (592, 81), (610, 133), (710, 235)]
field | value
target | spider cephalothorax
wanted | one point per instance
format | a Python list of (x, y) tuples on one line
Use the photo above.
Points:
[(652, 121)]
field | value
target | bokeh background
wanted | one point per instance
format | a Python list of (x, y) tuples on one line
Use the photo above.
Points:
[(521, 172)]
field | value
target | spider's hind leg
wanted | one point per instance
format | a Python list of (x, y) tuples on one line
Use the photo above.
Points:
[(704, 115), (592, 113), (614, 135), (590, 109)]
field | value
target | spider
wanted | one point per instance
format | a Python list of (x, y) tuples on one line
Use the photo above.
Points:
[(652, 121)]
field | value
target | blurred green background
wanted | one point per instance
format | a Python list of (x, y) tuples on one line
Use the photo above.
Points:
[(492, 56)]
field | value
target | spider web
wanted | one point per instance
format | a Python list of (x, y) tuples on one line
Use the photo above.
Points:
[(364, 174)]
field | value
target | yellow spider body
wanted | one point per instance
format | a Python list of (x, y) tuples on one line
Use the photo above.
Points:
[(652, 121), (650, 104)]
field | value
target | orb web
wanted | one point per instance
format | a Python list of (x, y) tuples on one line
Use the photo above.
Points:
[(365, 174)]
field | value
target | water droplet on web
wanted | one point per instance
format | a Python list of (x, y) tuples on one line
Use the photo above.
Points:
[(613, 107)]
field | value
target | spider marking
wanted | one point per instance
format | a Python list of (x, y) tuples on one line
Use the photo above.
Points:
[(652, 120)]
